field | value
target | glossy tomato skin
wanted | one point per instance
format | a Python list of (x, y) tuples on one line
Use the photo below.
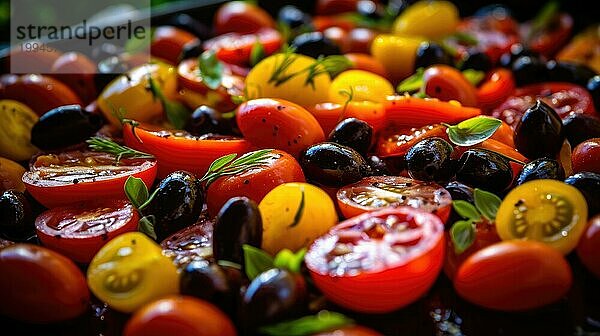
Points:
[(235, 48), (498, 85), (254, 183), (86, 231), (586, 156), (77, 71), (279, 124), (168, 43), (179, 315), (241, 17), (330, 114), (588, 249), (40, 286), (447, 83), (514, 276)]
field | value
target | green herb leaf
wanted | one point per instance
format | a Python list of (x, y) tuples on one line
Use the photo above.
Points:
[(284, 30), (227, 263), (289, 260), (412, 83), (224, 166), (257, 53), (136, 191), (256, 261), (238, 99), (300, 210), (462, 234), (466, 210), (211, 69), (146, 226), (308, 325), (487, 203), (106, 145), (473, 76), (177, 113), (334, 64), (464, 38), (473, 131), (544, 17)]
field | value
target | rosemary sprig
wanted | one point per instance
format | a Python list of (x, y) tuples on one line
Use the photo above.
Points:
[(350, 95), (106, 145), (229, 165)]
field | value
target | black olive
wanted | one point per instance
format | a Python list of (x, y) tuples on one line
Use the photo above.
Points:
[(16, 220), (293, 17), (593, 86), (378, 166), (192, 49), (315, 44), (177, 204), (64, 126), (516, 50), (574, 73), (105, 50), (273, 295), (205, 120), (589, 185), (109, 69), (332, 164), (430, 53), (484, 169), (238, 223), (370, 9), (495, 10), (460, 191), (527, 70), (477, 60), (429, 160), (191, 25), (211, 282), (539, 132), (580, 127), (542, 168), (354, 133)]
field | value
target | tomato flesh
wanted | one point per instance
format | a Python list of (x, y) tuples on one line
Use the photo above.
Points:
[(189, 244)]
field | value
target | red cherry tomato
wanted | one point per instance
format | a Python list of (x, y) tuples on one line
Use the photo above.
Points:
[(374, 193), (398, 143), (586, 156), (360, 39), (77, 71), (588, 249), (32, 62), (241, 17), (254, 183), (190, 244), (74, 176), (78, 231), (564, 98), (330, 114), (514, 275), (178, 150), (553, 37), (235, 48), (379, 261), (179, 315), (366, 62), (323, 22), (41, 286), (168, 43), (498, 85), (279, 124), (447, 83), (330, 7)]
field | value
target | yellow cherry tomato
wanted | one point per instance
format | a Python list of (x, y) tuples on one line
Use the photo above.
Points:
[(361, 85), (432, 19), (10, 175), (17, 120), (548, 211), (130, 271), (128, 95), (293, 215), (396, 53), (285, 76)]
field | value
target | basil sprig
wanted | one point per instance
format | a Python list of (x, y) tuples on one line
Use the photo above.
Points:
[(210, 69), (308, 325), (137, 193), (472, 131), (176, 113), (257, 261)]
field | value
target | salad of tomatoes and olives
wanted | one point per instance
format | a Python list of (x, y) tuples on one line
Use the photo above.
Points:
[(309, 173)]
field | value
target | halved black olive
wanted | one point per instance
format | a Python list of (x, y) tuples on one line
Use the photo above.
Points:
[(484, 169), (580, 127), (430, 53), (539, 132), (429, 160), (16, 219), (354, 133), (315, 44), (332, 164), (542, 168), (589, 185), (64, 126)]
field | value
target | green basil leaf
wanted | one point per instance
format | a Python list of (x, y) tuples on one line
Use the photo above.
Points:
[(146, 226), (308, 325), (466, 210), (257, 53), (462, 234), (211, 69), (412, 83), (177, 114), (289, 260), (544, 17), (473, 131), (473, 76), (335, 64), (487, 203), (136, 191), (256, 261)]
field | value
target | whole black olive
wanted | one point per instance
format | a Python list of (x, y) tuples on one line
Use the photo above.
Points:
[(539, 132), (332, 164), (354, 133), (205, 120), (430, 53), (378, 166), (238, 223), (177, 204), (542, 168), (370, 9), (589, 185), (192, 49), (429, 160), (64, 126), (484, 169), (190, 24), (528, 69), (580, 127), (593, 86), (211, 282), (16, 220), (574, 73), (460, 191), (477, 60), (516, 50), (273, 295), (315, 44), (293, 17)]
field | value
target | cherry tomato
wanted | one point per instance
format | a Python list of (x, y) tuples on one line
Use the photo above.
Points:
[(432, 19), (241, 17), (235, 48), (168, 43), (498, 85), (124, 273), (360, 85), (254, 183), (330, 114), (179, 150), (388, 49), (588, 249), (586, 156), (330, 7), (548, 211), (374, 193), (10, 175), (290, 126), (564, 98), (293, 214), (190, 244), (360, 40), (350, 331), (68, 177), (77, 71), (79, 231), (447, 83), (180, 315), (552, 37), (397, 251), (366, 62), (32, 62), (514, 276), (399, 142), (39, 285), (324, 22), (15, 130)]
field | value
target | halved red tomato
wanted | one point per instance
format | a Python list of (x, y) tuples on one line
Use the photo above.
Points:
[(330, 114), (564, 98), (81, 175), (402, 140), (235, 48), (189, 244), (179, 150), (407, 112), (588, 248), (79, 230), (379, 261), (376, 192)]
